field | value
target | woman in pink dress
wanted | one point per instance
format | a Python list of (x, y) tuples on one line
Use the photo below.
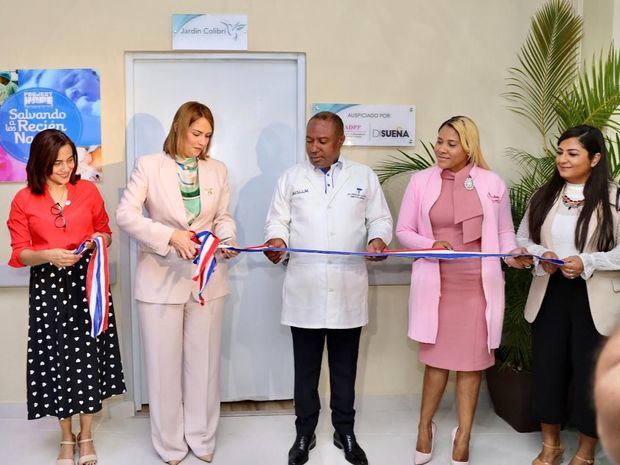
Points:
[(456, 306)]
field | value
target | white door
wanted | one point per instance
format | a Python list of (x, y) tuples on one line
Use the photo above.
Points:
[(258, 102)]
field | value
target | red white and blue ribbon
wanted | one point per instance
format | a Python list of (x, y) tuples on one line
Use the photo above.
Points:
[(97, 285), (209, 243), (438, 254), (205, 260)]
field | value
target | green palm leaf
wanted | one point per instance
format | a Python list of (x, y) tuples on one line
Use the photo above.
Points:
[(613, 159), (549, 65), (395, 165), (594, 98), (536, 170)]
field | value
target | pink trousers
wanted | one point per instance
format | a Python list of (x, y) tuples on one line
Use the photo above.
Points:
[(182, 354)]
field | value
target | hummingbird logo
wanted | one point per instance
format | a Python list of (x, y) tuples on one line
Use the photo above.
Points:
[(234, 29)]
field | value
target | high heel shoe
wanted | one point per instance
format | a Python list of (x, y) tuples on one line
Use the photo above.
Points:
[(207, 458), (420, 458), (456, 462), (91, 459), (557, 459), (67, 461), (588, 461)]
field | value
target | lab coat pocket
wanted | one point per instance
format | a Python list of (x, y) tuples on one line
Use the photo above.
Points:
[(301, 286), (354, 287)]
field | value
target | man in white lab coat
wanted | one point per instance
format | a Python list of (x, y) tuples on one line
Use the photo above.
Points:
[(328, 203)]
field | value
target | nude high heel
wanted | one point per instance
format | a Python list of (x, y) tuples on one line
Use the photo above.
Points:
[(456, 462), (86, 458), (66, 461), (420, 458), (558, 458), (588, 461)]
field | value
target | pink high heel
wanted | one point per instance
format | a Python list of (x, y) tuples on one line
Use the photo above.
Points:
[(455, 462), (420, 458)]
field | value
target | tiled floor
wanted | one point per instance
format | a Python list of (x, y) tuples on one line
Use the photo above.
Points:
[(386, 429)]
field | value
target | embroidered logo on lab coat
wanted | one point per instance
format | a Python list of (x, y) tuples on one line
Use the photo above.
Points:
[(357, 193), (298, 191)]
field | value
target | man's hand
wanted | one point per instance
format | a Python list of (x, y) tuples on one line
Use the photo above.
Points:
[(275, 257), (376, 246)]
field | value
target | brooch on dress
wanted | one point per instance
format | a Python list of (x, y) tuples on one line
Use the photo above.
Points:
[(469, 183)]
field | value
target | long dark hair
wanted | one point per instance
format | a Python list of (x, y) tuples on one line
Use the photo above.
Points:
[(596, 193), (43, 153)]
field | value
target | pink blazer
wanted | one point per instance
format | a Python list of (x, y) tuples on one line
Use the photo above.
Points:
[(414, 230), (161, 276)]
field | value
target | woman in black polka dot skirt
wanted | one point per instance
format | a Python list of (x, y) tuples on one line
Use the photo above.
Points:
[(68, 371)]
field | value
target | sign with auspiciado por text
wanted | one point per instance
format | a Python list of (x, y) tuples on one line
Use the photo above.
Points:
[(374, 125)]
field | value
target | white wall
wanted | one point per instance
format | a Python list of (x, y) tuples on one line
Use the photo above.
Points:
[(444, 56)]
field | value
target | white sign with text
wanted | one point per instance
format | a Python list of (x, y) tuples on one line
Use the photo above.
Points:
[(209, 32), (374, 125)]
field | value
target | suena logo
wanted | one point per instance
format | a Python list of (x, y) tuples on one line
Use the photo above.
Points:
[(398, 132)]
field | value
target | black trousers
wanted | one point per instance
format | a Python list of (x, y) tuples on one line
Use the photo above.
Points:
[(564, 347), (342, 351)]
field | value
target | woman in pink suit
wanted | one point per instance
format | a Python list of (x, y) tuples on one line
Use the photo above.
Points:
[(184, 191), (456, 307)]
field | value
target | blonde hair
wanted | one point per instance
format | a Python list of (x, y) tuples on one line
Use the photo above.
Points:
[(469, 138), (183, 119)]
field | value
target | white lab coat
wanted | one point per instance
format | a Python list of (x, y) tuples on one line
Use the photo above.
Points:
[(327, 291)]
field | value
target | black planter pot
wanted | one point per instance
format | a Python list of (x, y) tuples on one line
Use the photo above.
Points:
[(511, 395)]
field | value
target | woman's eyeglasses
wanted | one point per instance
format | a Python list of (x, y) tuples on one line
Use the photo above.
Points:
[(59, 219)]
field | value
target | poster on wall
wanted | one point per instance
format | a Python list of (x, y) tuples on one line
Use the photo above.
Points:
[(32, 100), (374, 125)]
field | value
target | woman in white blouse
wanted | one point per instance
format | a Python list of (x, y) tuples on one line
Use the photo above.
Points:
[(574, 216)]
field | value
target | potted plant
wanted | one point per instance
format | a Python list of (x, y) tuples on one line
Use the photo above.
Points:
[(550, 90)]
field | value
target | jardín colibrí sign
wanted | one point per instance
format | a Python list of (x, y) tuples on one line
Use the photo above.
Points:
[(374, 125), (209, 32)]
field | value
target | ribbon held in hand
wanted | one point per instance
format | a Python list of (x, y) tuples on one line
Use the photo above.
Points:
[(205, 260), (97, 285), (209, 243), (441, 254)]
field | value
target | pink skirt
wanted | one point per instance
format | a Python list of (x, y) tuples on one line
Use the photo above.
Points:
[(461, 343)]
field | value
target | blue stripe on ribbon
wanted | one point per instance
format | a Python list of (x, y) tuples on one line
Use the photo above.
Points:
[(452, 255)]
